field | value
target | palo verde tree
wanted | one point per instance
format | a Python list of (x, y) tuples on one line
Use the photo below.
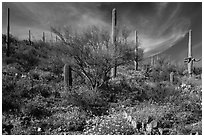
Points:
[(91, 54)]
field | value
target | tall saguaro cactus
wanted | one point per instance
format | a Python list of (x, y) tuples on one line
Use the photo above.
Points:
[(8, 33), (43, 37), (56, 38), (190, 64), (113, 39), (67, 76), (190, 58), (29, 37), (136, 51), (152, 60)]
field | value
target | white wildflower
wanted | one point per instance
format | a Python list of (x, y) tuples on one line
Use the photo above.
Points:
[(39, 129)]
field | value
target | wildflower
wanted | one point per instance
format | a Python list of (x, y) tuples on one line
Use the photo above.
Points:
[(39, 129), (23, 76)]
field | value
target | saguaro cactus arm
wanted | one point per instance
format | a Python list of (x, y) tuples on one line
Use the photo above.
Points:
[(196, 60)]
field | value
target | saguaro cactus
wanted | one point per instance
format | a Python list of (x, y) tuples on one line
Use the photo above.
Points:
[(8, 33), (113, 39), (67, 76), (152, 61), (171, 77), (56, 38), (190, 63), (43, 37), (190, 58), (136, 51), (29, 37)]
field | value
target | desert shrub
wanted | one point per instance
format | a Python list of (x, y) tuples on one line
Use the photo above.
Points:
[(42, 89), (27, 58), (55, 64), (160, 92), (90, 54), (36, 107), (88, 100), (61, 122), (10, 96), (162, 69)]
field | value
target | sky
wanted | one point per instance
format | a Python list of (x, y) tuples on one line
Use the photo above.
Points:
[(162, 27)]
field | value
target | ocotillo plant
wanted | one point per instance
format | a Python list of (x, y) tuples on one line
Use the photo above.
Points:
[(190, 58), (67, 76), (136, 51), (8, 33), (171, 77), (113, 38)]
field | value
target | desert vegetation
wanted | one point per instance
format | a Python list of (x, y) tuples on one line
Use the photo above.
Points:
[(35, 100), (94, 83)]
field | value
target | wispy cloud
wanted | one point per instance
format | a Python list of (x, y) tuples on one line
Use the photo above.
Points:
[(160, 25)]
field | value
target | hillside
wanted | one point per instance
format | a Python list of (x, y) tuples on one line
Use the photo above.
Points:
[(36, 102)]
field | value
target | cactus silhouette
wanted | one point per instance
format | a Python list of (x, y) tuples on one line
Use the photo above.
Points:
[(190, 58), (8, 33), (136, 51), (171, 77), (113, 38), (67, 76)]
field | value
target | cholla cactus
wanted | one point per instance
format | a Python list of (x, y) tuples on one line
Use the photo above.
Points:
[(67, 76)]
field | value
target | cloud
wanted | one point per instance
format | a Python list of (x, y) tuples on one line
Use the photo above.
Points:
[(161, 30), (160, 25)]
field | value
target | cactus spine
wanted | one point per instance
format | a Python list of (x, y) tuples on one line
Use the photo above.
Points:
[(136, 51), (113, 39), (67, 76), (8, 32)]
